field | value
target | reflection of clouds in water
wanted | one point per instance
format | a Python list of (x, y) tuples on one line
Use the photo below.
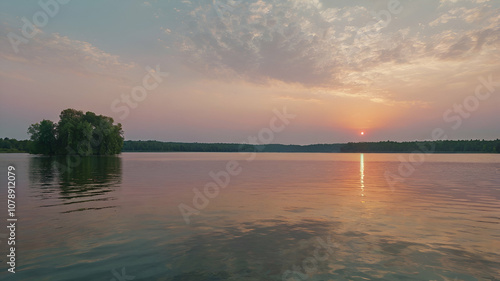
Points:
[(89, 184), (426, 230), (249, 250), (266, 249), (297, 210)]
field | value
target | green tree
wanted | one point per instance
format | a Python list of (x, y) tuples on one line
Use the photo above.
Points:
[(78, 133), (43, 135)]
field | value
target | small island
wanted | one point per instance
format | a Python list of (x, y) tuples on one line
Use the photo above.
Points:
[(76, 133)]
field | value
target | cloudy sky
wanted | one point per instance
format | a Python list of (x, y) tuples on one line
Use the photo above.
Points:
[(395, 70)]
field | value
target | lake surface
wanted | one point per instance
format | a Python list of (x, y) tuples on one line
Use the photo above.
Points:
[(280, 217)]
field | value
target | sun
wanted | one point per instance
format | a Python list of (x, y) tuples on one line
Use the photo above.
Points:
[(362, 133)]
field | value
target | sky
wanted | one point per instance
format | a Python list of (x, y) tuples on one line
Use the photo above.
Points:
[(219, 71)]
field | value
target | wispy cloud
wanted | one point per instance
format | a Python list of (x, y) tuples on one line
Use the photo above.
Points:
[(55, 50), (307, 43)]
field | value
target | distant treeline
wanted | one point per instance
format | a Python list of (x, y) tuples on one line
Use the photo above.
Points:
[(157, 146), (451, 146), (14, 146), (461, 146)]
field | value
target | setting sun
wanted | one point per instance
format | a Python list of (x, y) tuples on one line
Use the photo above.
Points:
[(362, 133)]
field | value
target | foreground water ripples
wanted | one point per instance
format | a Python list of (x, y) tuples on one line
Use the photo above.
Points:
[(285, 216)]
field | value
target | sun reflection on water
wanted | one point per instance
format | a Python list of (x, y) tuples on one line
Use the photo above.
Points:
[(362, 175)]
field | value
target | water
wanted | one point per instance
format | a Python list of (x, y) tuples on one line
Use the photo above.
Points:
[(284, 216)]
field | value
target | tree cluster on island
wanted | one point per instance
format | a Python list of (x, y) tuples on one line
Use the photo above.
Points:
[(76, 133)]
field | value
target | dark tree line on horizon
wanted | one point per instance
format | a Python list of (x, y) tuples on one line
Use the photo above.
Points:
[(14, 146), (158, 146), (450, 146)]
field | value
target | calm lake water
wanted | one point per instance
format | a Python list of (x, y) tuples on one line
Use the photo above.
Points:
[(283, 217)]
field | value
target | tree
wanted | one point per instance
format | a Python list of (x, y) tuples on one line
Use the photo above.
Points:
[(77, 133), (43, 135)]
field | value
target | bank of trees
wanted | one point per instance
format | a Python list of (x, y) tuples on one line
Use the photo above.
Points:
[(76, 133), (451, 146), (13, 145), (91, 134), (158, 146)]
